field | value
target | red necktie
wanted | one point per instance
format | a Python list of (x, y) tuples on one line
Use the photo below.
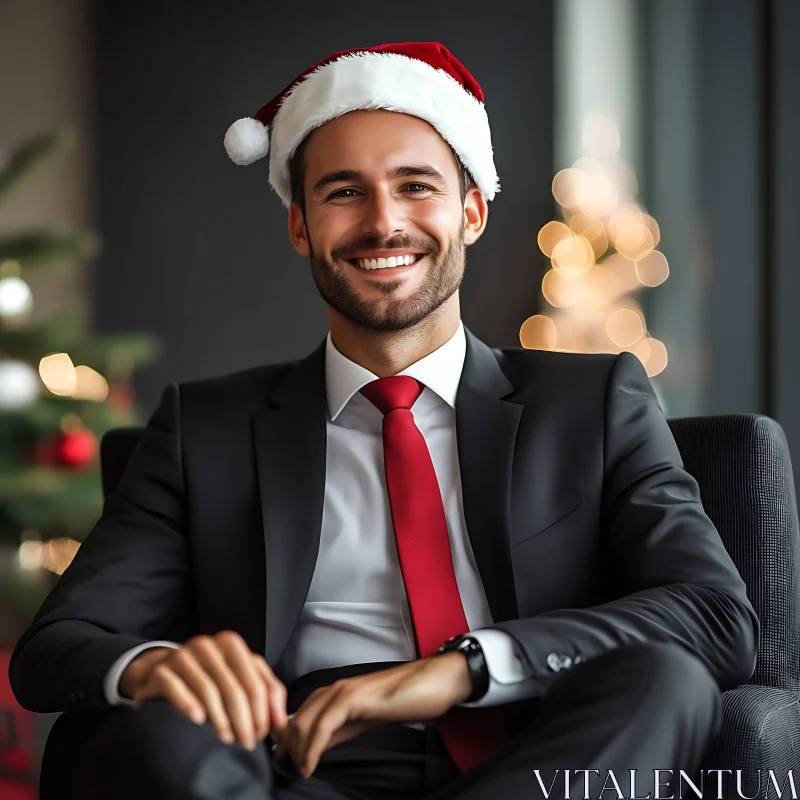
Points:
[(423, 547)]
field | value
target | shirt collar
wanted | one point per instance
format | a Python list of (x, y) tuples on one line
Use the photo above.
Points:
[(440, 371)]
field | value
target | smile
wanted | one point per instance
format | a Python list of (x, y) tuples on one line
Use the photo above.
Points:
[(386, 263)]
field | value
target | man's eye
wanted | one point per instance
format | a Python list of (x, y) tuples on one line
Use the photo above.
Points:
[(339, 193), (418, 186)]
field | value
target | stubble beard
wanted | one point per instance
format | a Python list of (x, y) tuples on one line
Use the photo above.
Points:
[(443, 278)]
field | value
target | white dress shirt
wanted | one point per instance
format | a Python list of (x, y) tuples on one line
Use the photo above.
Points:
[(356, 610)]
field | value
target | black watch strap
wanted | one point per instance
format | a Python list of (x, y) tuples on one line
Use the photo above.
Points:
[(476, 663)]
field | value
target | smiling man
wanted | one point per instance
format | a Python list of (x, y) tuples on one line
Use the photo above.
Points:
[(408, 565)]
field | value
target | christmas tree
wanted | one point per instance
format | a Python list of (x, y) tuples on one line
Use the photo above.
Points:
[(61, 389), (601, 254)]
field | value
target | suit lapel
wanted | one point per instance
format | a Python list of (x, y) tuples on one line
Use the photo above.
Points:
[(290, 446), (486, 429)]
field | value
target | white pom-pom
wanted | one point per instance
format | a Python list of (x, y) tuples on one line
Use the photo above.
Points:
[(246, 141)]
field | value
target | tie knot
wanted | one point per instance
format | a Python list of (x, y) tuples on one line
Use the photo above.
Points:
[(388, 394)]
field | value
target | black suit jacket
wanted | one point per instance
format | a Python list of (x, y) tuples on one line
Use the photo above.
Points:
[(587, 531)]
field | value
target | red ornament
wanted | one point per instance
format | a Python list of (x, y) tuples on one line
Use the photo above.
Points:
[(74, 449)]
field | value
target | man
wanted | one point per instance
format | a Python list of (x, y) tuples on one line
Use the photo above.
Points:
[(268, 590)]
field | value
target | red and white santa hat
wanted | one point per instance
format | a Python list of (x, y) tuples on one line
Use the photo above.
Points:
[(423, 79)]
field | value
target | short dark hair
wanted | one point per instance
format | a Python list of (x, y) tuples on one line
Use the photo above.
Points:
[(297, 176)]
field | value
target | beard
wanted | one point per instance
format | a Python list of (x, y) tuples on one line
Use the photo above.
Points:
[(444, 276)]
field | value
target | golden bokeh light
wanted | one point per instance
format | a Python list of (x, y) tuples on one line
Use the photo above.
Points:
[(642, 349), (57, 554), (538, 333), (601, 255), (625, 327), (634, 241), (90, 385), (560, 290), (550, 235), (624, 270), (592, 229), (653, 228), (58, 374), (626, 214), (653, 269), (597, 195), (63, 378), (573, 255), (604, 285), (657, 358), (565, 187)]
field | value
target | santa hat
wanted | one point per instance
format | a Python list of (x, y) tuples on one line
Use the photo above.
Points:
[(423, 79)]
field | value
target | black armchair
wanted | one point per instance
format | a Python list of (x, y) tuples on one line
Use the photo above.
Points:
[(742, 465)]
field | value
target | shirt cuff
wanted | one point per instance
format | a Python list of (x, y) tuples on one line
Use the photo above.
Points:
[(510, 673), (111, 681)]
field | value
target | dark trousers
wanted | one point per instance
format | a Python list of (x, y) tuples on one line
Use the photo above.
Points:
[(644, 707)]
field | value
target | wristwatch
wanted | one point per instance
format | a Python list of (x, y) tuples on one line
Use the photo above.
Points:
[(476, 663)]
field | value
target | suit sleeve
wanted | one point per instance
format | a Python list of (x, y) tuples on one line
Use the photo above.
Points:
[(129, 583), (680, 584)]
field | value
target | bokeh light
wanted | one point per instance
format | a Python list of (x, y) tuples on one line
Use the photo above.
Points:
[(538, 333), (601, 255)]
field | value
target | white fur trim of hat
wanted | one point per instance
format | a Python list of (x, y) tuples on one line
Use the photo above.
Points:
[(368, 79)]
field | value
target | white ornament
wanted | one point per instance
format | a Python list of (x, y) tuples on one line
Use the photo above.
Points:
[(16, 297), (19, 385)]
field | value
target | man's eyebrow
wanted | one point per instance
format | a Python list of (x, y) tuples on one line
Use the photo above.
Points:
[(407, 171)]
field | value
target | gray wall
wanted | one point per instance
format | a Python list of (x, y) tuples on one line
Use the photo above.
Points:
[(785, 231), (723, 180), (196, 249)]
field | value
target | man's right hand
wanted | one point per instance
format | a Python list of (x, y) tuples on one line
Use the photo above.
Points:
[(212, 678)]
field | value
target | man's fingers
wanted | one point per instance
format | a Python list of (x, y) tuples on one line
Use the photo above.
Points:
[(233, 696), (204, 685), (311, 723), (330, 719), (242, 664), (276, 695), (163, 683)]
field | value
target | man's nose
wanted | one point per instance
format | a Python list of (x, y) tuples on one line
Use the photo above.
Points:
[(384, 214)]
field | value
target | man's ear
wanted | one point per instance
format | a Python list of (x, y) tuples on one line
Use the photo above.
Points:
[(476, 215), (298, 232)]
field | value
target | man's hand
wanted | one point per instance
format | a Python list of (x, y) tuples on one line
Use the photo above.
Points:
[(215, 678), (414, 692)]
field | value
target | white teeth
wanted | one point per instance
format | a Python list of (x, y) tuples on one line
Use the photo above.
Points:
[(386, 263)]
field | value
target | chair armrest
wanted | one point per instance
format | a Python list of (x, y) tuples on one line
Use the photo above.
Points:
[(760, 730)]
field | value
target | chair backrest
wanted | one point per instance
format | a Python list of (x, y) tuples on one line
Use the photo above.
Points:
[(742, 466), (741, 463)]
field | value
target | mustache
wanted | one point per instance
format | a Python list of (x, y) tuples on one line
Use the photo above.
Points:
[(400, 242)]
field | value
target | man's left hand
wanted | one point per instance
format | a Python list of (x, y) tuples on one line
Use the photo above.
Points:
[(417, 691)]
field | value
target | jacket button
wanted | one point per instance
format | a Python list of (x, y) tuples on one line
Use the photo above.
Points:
[(554, 662), (566, 662)]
